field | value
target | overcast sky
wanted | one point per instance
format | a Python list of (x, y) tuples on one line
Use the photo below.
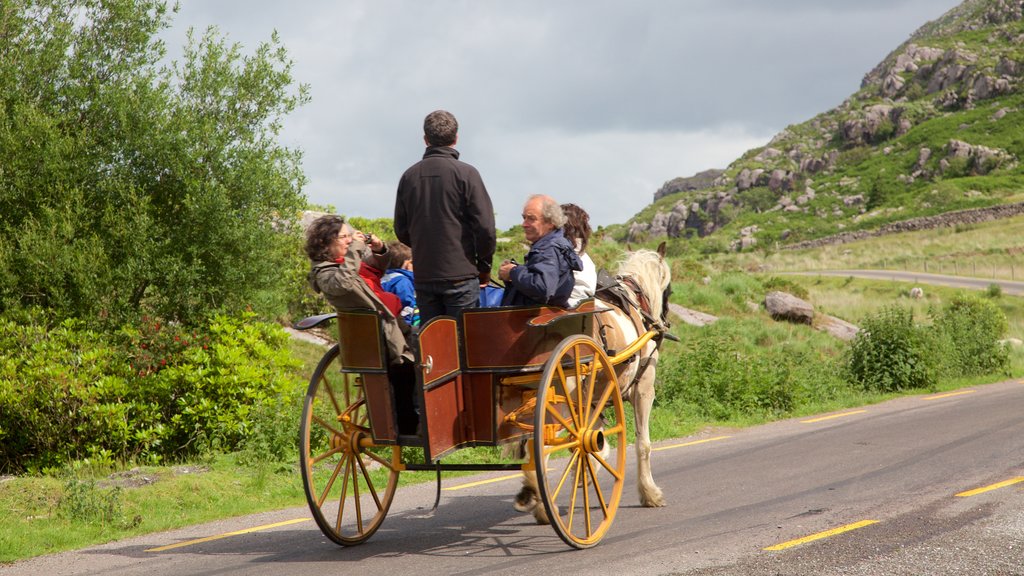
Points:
[(593, 102)]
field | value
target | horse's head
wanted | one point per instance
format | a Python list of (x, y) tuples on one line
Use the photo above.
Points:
[(653, 275)]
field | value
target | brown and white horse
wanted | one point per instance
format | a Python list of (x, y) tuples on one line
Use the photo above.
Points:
[(647, 277)]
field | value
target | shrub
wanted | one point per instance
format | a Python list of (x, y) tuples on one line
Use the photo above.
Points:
[(153, 392), (785, 285), (972, 328), (892, 353), (721, 379)]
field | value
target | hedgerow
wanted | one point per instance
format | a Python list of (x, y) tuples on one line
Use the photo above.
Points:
[(152, 393)]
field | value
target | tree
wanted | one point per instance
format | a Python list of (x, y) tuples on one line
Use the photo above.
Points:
[(130, 185)]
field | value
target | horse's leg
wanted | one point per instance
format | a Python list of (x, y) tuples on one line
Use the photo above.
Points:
[(643, 401), (526, 500)]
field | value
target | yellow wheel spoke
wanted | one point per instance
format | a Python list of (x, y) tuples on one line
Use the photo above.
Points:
[(583, 408), (552, 448), (369, 483), (550, 409), (586, 470), (565, 474), (597, 487), (575, 490), (330, 481), (329, 389), (608, 466), (618, 429), (344, 492), (604, 401), (355, 499), (568, 397), (327, 426), (330, 452)]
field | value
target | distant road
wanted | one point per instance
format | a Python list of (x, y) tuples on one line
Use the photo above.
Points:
[(1008, 286)]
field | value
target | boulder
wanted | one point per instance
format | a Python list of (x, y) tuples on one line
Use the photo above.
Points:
[(785, 306)]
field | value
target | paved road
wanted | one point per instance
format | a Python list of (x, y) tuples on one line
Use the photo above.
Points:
[(891, 482), (1008, 287)]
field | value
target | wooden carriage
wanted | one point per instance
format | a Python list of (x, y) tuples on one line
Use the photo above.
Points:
[(488, 377)]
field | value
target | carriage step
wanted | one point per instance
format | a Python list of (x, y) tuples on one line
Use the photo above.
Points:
[(409, 440)]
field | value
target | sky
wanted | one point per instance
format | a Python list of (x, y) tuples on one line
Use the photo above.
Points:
[(595, 102)]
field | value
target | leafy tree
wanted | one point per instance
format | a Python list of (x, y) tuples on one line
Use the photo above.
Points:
[(129, 184)]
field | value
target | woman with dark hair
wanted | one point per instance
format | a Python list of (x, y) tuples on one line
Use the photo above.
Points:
[(346, 267), (577, 231)]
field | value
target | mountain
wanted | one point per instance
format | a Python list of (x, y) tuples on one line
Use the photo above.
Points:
[(936, 127)]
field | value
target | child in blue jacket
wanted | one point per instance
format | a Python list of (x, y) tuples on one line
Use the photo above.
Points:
[(398, 279)]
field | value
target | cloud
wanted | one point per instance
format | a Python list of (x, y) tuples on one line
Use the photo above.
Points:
[(597, 102)]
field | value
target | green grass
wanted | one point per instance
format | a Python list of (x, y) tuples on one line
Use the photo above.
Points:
[(989, 249)]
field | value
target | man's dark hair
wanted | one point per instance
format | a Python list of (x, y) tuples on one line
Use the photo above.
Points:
[(577, 225), (440, 128), (320, 235)]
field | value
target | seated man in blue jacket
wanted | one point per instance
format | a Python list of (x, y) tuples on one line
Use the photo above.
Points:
[(546, 276)]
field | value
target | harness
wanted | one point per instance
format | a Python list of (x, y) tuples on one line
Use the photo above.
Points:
[(624, 293)]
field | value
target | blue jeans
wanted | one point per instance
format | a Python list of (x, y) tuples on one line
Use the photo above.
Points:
[(442, 297)]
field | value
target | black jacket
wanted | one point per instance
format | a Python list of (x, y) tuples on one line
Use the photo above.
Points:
[(443, 212)]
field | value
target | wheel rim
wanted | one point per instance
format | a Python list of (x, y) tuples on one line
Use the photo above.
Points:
[(349, 482), (580, 488)]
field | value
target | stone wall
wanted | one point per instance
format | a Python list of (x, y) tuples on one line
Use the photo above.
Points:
[(972, 216)]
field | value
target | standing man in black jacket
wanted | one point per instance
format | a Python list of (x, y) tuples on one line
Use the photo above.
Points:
[(443, 212)]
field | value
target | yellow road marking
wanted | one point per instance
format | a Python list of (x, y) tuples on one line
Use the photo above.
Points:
[(995, 486), (482, 482), (948, 394), (514, 476), (227, 535), (694, 443), (823, 418), (821, 535)]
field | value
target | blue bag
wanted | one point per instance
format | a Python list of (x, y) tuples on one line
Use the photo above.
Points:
[(490, 296)]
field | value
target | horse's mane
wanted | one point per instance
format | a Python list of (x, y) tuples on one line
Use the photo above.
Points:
[(651, 273)]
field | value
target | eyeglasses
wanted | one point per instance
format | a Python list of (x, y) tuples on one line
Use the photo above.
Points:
[(344, 236)]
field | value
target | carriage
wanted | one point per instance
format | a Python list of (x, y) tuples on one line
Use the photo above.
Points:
[(489, 377)]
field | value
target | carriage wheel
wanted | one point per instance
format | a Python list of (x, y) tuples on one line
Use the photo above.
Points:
[(580, 441), (349, 482)]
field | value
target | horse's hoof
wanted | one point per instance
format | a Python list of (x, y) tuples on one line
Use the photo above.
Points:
[(652, 500), (526, 500)]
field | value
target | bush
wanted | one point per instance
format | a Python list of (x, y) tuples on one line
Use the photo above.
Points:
[(892, 353), (785, 285), (152, 392), (722, 380), (972, 328)]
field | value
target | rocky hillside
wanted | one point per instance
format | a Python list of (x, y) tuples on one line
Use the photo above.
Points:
[(937, 126)]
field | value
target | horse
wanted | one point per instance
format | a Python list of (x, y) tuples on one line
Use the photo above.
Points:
[(643, 286)]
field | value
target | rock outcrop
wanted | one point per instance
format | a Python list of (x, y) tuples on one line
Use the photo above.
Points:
[(785, 306)]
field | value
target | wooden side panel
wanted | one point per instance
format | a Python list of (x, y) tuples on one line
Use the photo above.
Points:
[(479, 398), (361, 341), (439, 350), (380, 406), (501, 339), (444, 422)]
